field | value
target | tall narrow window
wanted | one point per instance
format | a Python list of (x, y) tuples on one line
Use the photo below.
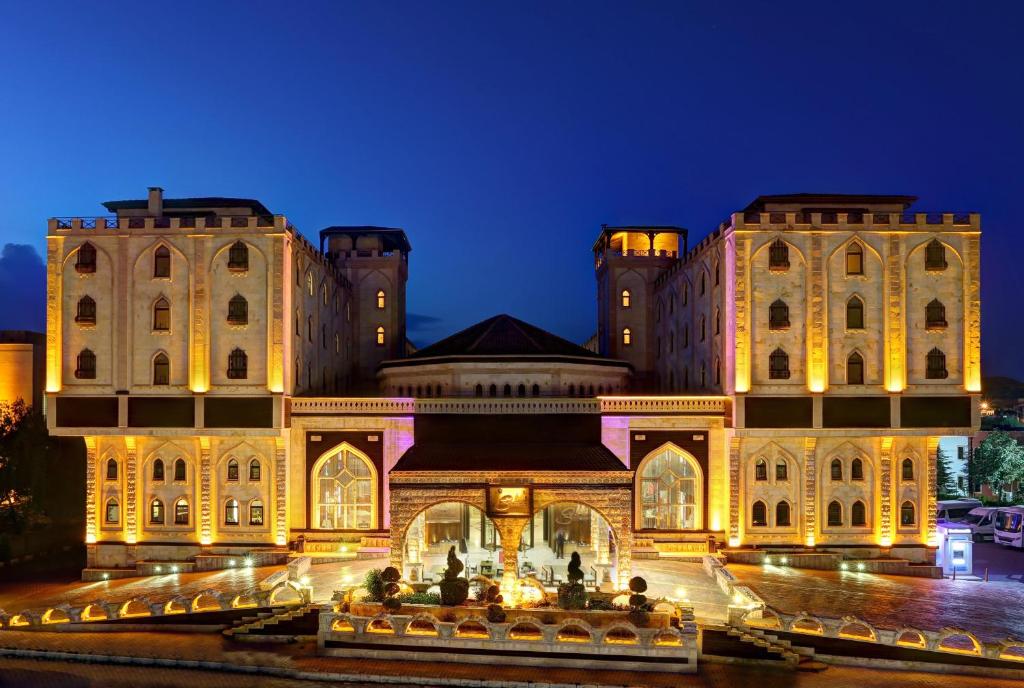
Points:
[(778, 315), (256, 513), (231, 512), (778, 365), (858, 514), (325, 294), (232, 471), (935, 315), (113, 511), (111, 469), (380, 299), (759, 515), (323, 336), (703, 328), (238, 310), (161, 262), (908, 469), (685, 297), (718, 321), (380, 335), (161, 315), (935, 256), (761, 470), (238, 365), (703, 375), (156, 512), (936, 365), (778, 255), (86, 312), (161, 370), (854, 259), (855, 313), (507, 391), (238, 257), (835, 513), (856, 470), (782, 518), (836, 469), (479, 390), (625, 298), (718, 275), (85, 259), (180, 473), (572, 390), (703, 283), (85, 365), (686, 335), (781, 470), (158, 471), (718, 372), (181, 513), (536, 390), (907, 515), (493, 390), (255, 471), (855, 369), (627, 336), (309, 329), (521, 390), (309, 282)]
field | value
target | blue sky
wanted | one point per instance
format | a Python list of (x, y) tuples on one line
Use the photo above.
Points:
[(501, 136)]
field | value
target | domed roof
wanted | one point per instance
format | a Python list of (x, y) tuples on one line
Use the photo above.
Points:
[(503, 335)]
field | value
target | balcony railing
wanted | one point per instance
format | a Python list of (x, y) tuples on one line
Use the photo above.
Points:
[(854, 218), (143, 222)]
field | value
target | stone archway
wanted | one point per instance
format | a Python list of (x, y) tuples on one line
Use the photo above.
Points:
[(408, 502)]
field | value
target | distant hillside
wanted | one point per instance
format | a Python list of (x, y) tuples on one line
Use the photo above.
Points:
[(1002, 391)]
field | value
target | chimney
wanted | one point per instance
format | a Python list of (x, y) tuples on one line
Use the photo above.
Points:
[(156, 201)]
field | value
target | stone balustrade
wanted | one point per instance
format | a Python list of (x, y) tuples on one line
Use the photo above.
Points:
[(398, 406), (860, 220)]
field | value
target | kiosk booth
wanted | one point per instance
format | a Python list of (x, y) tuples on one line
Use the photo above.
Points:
[(956, 549)]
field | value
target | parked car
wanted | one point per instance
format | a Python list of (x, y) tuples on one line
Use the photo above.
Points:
[(956, 509), (981, 522), (1008, 526)]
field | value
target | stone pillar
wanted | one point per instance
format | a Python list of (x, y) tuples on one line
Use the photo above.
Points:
[(131, 525), (741, 363), (972, 313), (885, 492), (280, 492), (91, 522), (277, 284), (735, 444), (205, 477), (895, 341), (810, 491), (122, 283), (510, 528), (930, 498), (54, 306), (817, 340)]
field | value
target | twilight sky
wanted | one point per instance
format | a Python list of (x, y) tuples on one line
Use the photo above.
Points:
[(501, 136)]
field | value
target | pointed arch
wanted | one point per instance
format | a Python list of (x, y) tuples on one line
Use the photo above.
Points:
[(923, 246), (670, 483), (161, 314), (161, 262), (345, 506), (855, 369), (161, 367), (772, 243), (855, 313)]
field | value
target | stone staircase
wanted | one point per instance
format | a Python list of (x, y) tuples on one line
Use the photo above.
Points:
[(298, 621), (800, 658)]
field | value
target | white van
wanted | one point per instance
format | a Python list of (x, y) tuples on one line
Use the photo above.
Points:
[(981, 521), (955, 509), (1008, 526)]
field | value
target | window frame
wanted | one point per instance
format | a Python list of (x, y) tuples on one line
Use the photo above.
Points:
[(162, 262)]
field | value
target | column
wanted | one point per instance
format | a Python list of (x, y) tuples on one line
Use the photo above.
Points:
[(277, 283), (931, 499), (895, 342), (205, 497), (91, 523), (511, 530), (885, 491), (810, 490), (280, 492), (200, 349), (735, 444), (817, 339), (972, 313), (131, 525), (739, 301), (54, 304)]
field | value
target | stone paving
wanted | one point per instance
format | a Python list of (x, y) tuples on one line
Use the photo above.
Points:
[(992, 610)]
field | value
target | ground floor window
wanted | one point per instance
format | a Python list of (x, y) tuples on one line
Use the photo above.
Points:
[(343, 491), (669, 491)]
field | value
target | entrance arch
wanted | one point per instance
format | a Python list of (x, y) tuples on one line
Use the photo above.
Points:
[(344, 490), (442, 525), (560, 528), (669, 490)]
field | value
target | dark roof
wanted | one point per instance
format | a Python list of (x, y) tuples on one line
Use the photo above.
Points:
[(824, 200), (394, 237), (504, 335), (555, 442), (192, 203)]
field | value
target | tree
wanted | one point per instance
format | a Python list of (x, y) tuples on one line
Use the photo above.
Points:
[(944, 482), (998, 461), (26, 452)]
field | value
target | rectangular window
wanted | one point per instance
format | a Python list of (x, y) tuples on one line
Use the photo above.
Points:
[(256, 515)]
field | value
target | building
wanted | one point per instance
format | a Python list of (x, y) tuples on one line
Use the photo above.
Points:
[(22, 368), (783, 383)]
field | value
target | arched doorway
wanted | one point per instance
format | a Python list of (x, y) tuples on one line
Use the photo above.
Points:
[(560, 528), (437, 528), (344, 489), (669, 491)]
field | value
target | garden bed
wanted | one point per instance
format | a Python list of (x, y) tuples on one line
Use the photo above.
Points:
[(543, 615)]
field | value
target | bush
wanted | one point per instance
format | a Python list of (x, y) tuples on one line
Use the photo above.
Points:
[(572, 596), (420, 598), (374, 584), (495, 614)]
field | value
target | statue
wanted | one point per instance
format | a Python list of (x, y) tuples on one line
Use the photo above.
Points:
[(454, 590)]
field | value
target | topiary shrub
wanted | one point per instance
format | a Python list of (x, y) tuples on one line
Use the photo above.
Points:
[(638, 606), (374, 584), (573, 595), (495, 614), (490, 595), (420, 598), (454, 590), (390, 577)]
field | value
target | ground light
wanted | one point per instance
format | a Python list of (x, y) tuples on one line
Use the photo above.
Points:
[(174, 569), (783, 560), (860, 566), (248, 562), (843, 566)]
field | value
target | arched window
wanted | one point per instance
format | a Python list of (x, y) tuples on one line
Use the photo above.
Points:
[(337, 343), (835, 513), (323, 336), (703, 375), (161, 369), (778, 315), (111, 469), (86, 312), (536, 390), (156, 512), (572, 390), (161, 262), (437, 390), (627, 336), (935, 256), (254, 471), (703, 328), (521, 390), (256, 513), (671, 342), (479, 390), (507, 391), (325, 294), (718, 321), (759, 514), (778, 365), (309, 282), (782, 517), (781, 470), (855, 313), (493, 390), (858, 514), (625, 298), (855, 369), (85, 259), (935, 315), (85, 365), (670, 495), (380, 335), (685, 297), (936, 365), (856, 470), (179, 470), (232, 470), (703, 283), (238, 257), (181, 512), (908, 517), (718, 371), (837, 469), (686, 377), (907, 472), (778, 255), (309, 328), (238, 310), (158, 470), (112, 511), (238, 365), (854, 259), (380, 299), (686, 335), (161, 315), (718, 274), (761, 470), (343, 491), (231, 512)]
